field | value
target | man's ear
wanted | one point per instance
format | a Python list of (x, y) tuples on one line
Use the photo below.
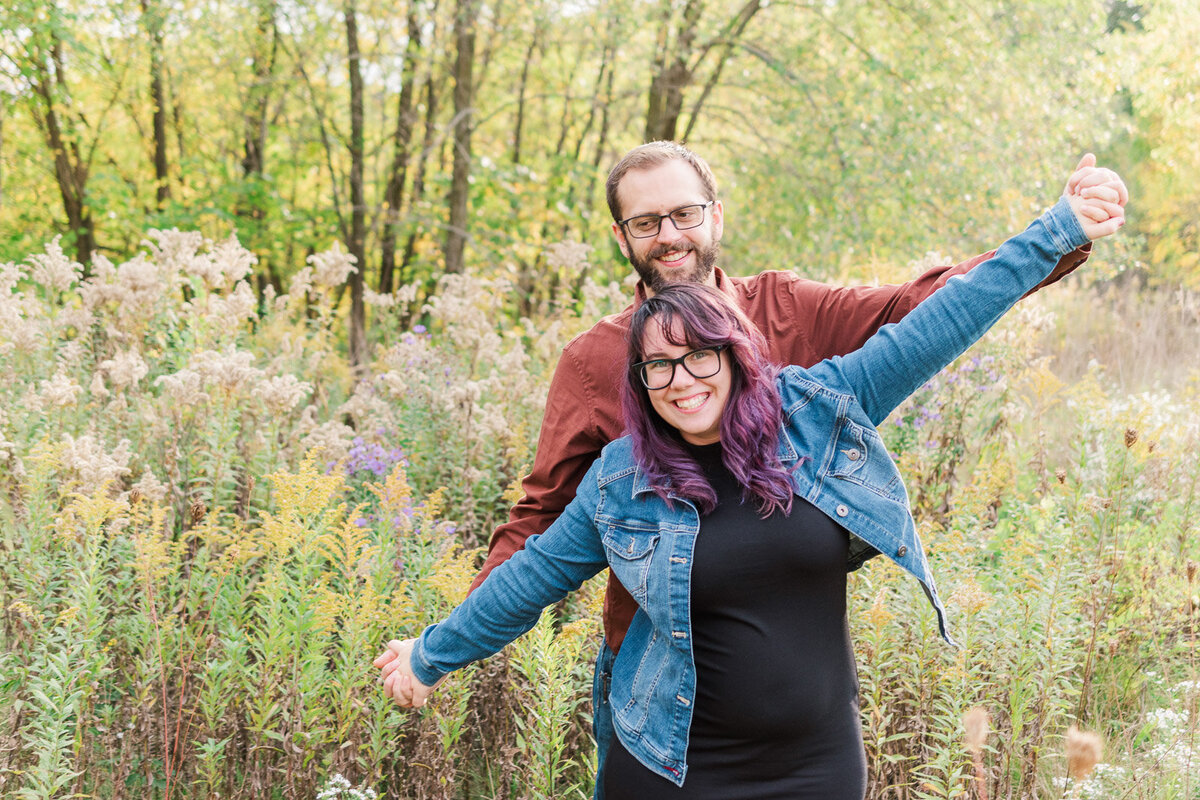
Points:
[(620, 237), (718, 220)]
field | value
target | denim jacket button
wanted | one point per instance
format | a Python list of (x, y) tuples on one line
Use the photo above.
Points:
[(853, 454), (679, 634), (842, 511), (902, 551)]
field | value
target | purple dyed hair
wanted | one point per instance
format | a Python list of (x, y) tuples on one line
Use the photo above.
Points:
[(693, 315)]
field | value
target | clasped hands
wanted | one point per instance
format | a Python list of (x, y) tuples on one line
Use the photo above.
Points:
[(396, 675), (1097, 196)]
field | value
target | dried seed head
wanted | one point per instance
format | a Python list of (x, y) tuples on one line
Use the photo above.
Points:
[(1083, 752), (1150, 446), (1191, 571), (1130, 437), (1061, 474), (197, 512), (975, 723), (135, 496)]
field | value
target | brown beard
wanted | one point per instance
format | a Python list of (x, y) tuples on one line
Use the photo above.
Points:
[(706, 260)]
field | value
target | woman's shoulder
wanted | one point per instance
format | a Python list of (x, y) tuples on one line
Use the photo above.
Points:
[(797, 385), (616, 459)]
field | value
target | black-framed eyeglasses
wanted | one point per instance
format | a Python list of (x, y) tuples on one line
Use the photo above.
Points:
[(643, 226), (658, 373)]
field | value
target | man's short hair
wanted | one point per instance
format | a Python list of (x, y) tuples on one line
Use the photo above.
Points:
[(648, 156)]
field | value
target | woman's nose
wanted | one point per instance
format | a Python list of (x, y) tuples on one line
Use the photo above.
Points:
[(682, 378)]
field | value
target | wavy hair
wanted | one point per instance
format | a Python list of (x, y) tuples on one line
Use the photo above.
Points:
[(696, 316)]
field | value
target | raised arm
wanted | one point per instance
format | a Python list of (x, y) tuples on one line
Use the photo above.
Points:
[(901, 357), (843, 318), (505, 606)]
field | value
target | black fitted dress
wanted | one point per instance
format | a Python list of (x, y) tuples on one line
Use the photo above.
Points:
[(776, 711)]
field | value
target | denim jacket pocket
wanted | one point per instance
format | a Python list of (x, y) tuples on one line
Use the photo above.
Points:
[(862, 458), (629, 552)]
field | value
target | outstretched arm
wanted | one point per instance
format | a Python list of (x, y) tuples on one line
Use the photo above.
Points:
[(901, 357), (506, 606), (839, 320)]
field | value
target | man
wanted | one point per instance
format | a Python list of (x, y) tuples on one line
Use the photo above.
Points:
[(668, 221)]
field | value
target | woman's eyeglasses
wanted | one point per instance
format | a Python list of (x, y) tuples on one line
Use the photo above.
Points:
[(657, 373)]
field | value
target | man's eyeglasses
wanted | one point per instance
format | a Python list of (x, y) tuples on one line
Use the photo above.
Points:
[(643, 226), (658, 373)]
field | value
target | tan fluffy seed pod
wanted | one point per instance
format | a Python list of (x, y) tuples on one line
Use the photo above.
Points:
[(975, 723), (1083, 753), (1130, 437)]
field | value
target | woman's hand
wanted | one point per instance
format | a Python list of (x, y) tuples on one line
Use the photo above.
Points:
[(1097, 196), (396, 675)]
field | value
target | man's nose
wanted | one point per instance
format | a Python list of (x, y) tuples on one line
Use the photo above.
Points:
[(667, 232)]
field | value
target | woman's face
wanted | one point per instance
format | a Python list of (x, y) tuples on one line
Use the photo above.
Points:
[(691, 405)]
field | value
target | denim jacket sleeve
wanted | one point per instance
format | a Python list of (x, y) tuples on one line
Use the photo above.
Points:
[(510, 601), (900, 357)]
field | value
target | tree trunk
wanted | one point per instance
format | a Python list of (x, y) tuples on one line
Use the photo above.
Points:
[(671, 72), (464, 37), (402, 141), (153, 14), (418, 186), (70, 167), (258, 97), (358, 204), (522, 86)]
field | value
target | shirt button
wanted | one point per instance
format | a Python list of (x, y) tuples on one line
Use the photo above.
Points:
[(902, 551), (842, 511), (853, 454)]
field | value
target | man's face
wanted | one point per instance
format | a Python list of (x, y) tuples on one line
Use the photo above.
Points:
[(671, 256)]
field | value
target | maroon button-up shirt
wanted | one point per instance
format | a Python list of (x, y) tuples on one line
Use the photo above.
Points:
[(803, 321)]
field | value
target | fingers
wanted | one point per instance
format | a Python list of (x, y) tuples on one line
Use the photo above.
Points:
[(1100, 211), (1106, 228), (1086, 163)]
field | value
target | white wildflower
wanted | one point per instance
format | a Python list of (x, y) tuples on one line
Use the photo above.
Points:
[(407, 293), (59, 392), (302, 284), (185, 388), (333, 266), (280, 394), (80, 319), (151, 487), (233, 260), (229, 369), (377, 300), (235, 308), (331, 439), (179, 252), (125, 369), (568, 255), (88, 466), (54, 269)]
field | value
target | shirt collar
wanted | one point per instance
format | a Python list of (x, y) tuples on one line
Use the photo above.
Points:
[(723, 285)]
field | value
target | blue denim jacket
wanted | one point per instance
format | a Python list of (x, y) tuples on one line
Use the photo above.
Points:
[(841, 466)]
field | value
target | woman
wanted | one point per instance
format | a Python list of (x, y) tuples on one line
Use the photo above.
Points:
[(736, 679)]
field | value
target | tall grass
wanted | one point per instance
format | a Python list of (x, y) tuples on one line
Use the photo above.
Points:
[(210, 528)]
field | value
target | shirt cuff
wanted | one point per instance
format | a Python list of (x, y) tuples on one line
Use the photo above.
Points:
[(1064, 228), (421, 666)]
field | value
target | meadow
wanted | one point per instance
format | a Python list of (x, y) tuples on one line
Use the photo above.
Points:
[(211, 524)]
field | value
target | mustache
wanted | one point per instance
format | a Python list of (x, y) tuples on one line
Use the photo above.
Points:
[(663, 249)]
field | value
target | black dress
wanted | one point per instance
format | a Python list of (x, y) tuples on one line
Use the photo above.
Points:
[(776, 711)]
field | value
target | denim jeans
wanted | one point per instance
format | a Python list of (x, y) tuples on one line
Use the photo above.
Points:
[(602, 724)]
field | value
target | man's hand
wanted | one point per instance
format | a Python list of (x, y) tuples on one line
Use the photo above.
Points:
[(396, 675), (1097, 196)]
